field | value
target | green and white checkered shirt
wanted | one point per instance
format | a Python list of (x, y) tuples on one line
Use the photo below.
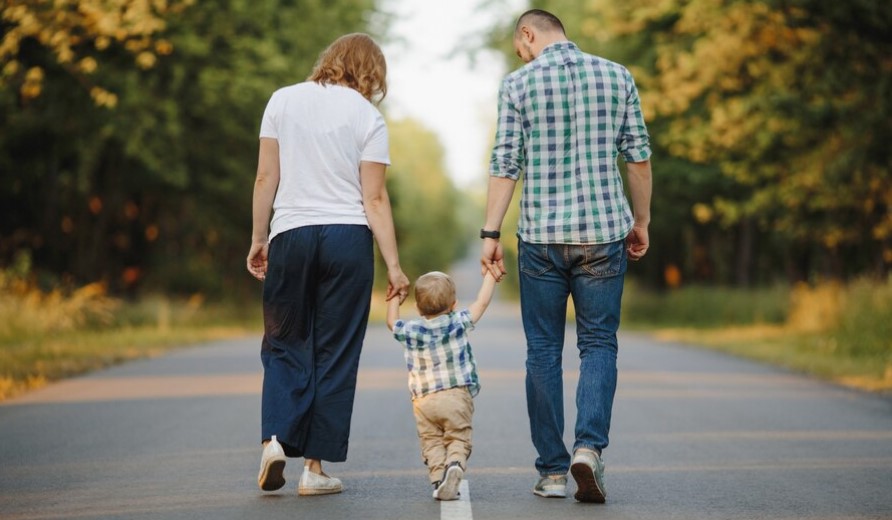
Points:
[(563, 120), (438, 354)]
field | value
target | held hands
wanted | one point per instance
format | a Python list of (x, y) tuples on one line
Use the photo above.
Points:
[(397, 290), (637, 242), (492, 259), (257, 259), (397, 284)]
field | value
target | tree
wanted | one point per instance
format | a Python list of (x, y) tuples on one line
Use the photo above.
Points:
[(679, 242), (768, 119), (424, 200), (788, 99), (75, 31), (156, 190)]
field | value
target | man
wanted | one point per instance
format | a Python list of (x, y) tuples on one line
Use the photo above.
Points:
[(563, 119)]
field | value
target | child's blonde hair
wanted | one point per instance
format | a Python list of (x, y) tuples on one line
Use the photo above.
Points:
[(434, 293)]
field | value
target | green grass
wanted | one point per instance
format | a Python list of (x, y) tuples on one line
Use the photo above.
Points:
[(864, 328), (34, 362), (839, 333), (703, 307), (808, 353), (45, 337)]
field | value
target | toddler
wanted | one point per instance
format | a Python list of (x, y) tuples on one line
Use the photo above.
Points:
[(442, 374)]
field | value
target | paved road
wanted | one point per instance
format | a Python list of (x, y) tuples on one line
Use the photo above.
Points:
[(697, 435)]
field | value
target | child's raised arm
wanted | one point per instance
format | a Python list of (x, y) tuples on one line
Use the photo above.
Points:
[(393, 311), (483, 297)]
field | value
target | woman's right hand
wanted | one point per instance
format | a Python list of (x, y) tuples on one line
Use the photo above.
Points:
[(397, 284), (257, 259)]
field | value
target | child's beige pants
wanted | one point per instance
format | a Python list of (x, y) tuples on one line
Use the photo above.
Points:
[(443, 420)]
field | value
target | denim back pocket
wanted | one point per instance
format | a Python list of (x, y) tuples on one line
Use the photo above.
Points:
[(533, 259), (603, 260)]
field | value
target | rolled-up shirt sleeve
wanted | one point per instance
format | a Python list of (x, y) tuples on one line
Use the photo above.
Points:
[(633, 141), (508, 156)]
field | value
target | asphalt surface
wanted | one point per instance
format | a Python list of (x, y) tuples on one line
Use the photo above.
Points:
[(696, 435)]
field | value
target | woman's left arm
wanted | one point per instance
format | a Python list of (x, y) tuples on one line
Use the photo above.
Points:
[(376, 202), (265, 186)]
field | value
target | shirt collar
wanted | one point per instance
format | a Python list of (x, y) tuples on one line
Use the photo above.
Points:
[(559, 46), (438, 321)]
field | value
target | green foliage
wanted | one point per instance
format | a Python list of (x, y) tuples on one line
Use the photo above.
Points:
[(864, 329), (32, 359), (704, 307), (156, 192), (838, 332), (782, 98), (72, 30), (425, 203), (768, 122), (47, 335)]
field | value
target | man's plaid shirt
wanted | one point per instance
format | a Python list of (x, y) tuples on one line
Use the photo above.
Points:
[(563, 120), (438, 354)]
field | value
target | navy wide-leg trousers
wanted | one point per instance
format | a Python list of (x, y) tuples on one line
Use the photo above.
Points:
[(316, 300)]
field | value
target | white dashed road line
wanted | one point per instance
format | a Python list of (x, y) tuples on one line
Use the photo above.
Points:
[(458, 509)]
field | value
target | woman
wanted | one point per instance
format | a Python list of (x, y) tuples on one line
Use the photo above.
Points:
[(323, 154)]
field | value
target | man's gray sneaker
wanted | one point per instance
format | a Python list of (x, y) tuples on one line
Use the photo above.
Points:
[(588, 471), (551, 487)]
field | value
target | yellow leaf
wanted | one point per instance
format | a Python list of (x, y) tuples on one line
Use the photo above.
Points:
[(146, 60), (87, 65), (34, 74)]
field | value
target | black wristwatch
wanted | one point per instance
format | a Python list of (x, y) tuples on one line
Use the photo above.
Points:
[(489, 234)]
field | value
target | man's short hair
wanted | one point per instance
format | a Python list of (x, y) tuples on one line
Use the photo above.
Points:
[(540, 19)]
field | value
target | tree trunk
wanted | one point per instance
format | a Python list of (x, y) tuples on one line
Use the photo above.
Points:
[(744, 253)]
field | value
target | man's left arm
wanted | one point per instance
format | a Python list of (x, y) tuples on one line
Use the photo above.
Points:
[(633, 141), (640, 188), (634, 145)]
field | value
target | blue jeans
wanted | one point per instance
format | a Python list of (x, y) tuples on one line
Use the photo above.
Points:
[(316, 299), (593, 275)]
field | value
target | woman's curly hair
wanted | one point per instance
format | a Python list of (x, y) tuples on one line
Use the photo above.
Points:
[(354, 61)]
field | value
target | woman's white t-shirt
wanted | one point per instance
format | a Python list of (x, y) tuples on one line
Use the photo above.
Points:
[(324, 131)]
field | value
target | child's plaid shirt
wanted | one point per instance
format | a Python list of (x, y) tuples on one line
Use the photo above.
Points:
[(438, 354)]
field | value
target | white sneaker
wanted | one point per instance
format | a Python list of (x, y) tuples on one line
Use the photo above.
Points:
[(316, 484), (588, 470), (448, 489), (554, 486), (272, 466)]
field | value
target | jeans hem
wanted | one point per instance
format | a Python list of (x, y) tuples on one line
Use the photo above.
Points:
[(586, 447)]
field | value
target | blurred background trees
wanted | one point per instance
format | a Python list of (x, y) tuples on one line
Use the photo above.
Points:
[(426, 205), (128, 148), (769, 120), (128, 136)]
